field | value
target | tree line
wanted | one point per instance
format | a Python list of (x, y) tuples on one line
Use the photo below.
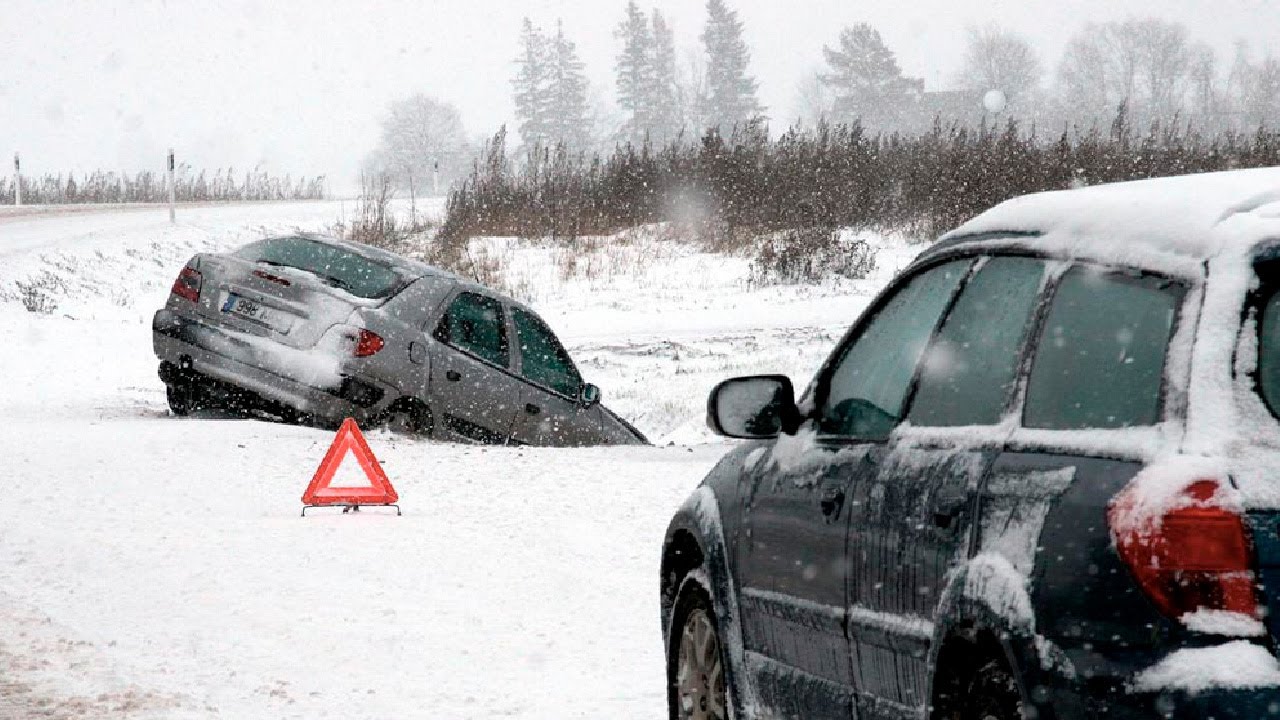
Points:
[(1153, 69), (147, 186), (735, 186)]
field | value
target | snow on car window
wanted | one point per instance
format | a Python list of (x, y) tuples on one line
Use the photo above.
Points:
[(331, 264)]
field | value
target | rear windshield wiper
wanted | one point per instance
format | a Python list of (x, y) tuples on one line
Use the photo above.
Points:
[(335, 282)]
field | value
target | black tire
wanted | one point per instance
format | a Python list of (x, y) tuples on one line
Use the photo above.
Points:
[(184, 398), (697, 683), (985, 690), (411, 418)]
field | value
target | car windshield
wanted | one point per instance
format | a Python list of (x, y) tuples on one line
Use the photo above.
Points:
[(335, 266)]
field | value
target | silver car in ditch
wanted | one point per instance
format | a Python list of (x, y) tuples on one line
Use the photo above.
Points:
[(314, 329)]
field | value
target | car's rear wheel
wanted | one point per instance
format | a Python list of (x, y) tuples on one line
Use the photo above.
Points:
[(985, 690), (411, 418), (696, 664)]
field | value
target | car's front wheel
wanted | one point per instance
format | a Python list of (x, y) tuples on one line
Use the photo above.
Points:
[(696, 664)]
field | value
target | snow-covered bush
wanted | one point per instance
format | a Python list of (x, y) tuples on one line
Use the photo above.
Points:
[(810, 255)]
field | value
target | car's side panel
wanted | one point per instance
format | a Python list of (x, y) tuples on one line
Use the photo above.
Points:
[(548, 418), (912, 526), (404, 362), (472, 398), (793, 567)]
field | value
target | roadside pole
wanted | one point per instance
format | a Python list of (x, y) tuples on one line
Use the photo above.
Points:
[(435, 179), (173, 191), (17, 179)]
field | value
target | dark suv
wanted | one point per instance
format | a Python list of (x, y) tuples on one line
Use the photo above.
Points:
[(1039, 477)]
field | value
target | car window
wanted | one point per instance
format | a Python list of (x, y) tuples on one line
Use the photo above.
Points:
[(1269, 353), (868, 383), (972, 364), (332, 264), (1100, 357), (474, 323), (543, 361)]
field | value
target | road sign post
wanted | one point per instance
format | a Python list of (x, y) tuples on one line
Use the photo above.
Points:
[(173, 190), (17, 179)]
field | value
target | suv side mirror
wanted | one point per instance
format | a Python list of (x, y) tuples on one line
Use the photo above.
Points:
[(758, 407), (589, 395)]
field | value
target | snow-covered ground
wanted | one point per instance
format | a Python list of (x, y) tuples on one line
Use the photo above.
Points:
[(157, 568)]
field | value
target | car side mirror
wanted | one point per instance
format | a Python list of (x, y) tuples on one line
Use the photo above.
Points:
[(589, 395), (758, 407)]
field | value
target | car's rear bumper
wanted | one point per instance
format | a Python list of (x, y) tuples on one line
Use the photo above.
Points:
[(203, 350)]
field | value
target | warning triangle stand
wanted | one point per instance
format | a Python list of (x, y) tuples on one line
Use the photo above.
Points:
[(322, 493)]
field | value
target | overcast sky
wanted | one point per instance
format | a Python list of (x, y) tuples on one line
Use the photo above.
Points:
[(299, 86)]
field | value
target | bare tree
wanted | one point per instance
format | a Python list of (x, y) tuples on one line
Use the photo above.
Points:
[(420, 137), (996, 59), (814, 100), (1148, 64)]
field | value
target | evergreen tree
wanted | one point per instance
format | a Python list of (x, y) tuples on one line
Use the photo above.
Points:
[(664, 91), (731, 92), (568, 119), (634, 69), (532, 82), (865, 78)]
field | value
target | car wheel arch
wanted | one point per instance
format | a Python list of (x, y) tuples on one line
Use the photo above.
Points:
[(974, 613), (697, 524), (413, 406)]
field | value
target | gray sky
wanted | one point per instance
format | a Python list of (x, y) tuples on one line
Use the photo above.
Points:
[(299, 86)]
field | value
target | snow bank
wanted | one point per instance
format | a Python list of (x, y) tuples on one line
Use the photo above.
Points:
[(1236, 665)]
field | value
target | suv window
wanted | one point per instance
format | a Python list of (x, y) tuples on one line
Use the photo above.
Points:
[(870, 379), (1100, 357), (474, 324), (543, 360), (972, 365)]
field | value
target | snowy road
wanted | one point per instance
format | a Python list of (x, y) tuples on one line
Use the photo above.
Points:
[(157, 568)]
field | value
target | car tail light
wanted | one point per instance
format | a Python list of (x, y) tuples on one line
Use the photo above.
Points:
[(272, 278), (1196, 556), (188, 284), (368, 343)]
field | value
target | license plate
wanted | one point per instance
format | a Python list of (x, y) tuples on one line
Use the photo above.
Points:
[(244, 307)]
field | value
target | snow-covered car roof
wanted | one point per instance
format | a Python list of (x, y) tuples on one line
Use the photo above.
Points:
[(1188, 217)]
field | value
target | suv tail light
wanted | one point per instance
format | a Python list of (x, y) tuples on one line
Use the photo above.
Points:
[(188, 284), (1197, 555), (368, 343)]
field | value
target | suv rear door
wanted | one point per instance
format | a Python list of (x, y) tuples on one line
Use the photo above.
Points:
[(473, 391)]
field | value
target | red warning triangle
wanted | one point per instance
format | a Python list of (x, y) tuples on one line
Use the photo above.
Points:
[(379, 490)]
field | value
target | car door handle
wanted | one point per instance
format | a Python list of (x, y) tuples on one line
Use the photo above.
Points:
[(532, 409), (832, 503), (453, 376), (946, 511)]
